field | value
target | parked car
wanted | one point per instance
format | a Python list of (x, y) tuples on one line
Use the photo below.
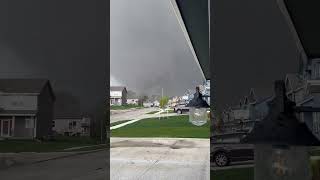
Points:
[(180, 108), (223, 154)]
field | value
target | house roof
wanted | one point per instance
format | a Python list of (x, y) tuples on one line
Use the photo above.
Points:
[(22, 85), (294, 80), (301, 17), (252, 96), (117, 88), (193, 17)]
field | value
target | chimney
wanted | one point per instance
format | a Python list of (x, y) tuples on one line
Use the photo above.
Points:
[(280, 94)]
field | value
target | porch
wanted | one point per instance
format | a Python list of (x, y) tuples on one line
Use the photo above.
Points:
[(18, 126)]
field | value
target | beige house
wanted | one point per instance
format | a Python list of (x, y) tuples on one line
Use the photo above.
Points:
[(26, 108), (72, 125)]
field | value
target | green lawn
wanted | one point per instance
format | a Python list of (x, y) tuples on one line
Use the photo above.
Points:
[(125, 107), (152, 112), (58, 144), (233, 174), (175, 126), (119, 122)]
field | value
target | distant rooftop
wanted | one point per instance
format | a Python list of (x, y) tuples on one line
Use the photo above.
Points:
[(117, 88)]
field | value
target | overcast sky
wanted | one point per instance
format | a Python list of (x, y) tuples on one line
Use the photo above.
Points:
[(148, 49), (64, 41)]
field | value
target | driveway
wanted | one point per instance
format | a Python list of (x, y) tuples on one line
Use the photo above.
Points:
[(129, 114), (160, 158), (82, 167)]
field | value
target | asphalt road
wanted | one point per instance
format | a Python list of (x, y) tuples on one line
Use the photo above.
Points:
[(81, 167), (121, 115)]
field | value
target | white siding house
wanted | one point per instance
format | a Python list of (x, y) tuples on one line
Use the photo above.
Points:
[(118, 96)]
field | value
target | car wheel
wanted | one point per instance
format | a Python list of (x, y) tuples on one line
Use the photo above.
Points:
[(179, 111), (221, 159)]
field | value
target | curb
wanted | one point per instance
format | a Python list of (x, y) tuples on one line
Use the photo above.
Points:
[(70, 155), (19, 164)]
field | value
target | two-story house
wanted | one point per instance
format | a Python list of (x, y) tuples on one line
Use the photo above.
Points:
[(118, 95), (26, 108)]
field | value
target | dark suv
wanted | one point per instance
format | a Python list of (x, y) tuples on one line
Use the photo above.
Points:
[(223, 153)]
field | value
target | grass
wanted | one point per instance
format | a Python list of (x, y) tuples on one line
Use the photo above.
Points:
[(56, 145), (118, 122), (232, 174), (129, 106), (174, 127), (152, 112)]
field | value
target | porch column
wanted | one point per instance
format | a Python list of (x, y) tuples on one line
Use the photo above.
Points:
[(35, 127), (13, 125)]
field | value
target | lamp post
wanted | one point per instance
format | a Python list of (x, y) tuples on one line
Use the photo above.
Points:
[(198, 109)]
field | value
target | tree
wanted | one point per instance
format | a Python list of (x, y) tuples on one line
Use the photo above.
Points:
[(142, 98), (131, 94), (164, 101)]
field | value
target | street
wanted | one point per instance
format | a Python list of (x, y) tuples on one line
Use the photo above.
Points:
[(130, 114), (159, 158), (90, 166)]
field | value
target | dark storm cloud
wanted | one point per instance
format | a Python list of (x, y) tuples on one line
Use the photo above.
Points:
[(148, 48), (251, 47), (65, 41)]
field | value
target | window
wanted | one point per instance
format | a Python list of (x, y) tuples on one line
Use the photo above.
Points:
[(30, 122), (316, 122), (316, 70), (53, 123)]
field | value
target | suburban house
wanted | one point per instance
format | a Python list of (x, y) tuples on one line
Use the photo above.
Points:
[(187, 96), (72, 125), (133, 101), (26, 108), (205, 91), (118, 95)]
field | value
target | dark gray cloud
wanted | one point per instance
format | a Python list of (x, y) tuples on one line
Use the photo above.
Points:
[(65, 41), (148, 48), (251, 47)]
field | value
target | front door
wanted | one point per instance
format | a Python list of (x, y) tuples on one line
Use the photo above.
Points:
[(5, 128)]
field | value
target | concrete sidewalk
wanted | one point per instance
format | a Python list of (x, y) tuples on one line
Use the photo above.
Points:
[(145, 116), (160, 158)]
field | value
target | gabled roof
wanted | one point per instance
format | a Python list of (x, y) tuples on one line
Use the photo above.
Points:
[(252, 96), (293, 82), (117, 88), (22, 85), (246, 101)]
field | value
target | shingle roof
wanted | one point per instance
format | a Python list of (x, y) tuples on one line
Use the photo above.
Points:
[(117, 88), (295, 81), (22, 85)]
